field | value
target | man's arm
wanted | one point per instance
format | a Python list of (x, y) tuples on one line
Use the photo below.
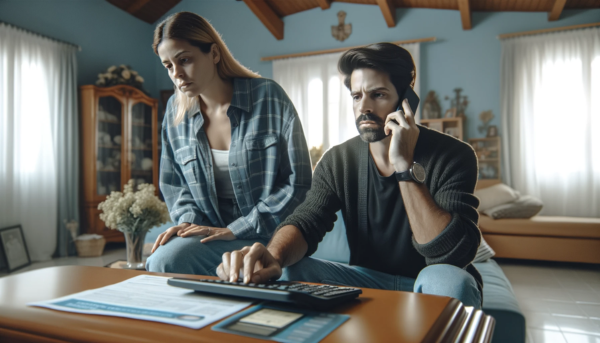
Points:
[(288, 246), (261, 264), (296, 237), (444, 221), (427, 220)]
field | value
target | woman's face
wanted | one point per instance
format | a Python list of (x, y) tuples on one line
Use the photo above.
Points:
[(191, 70)]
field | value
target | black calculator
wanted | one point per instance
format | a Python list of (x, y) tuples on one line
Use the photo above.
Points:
[(301, 294)]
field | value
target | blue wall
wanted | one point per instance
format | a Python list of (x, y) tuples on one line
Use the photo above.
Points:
[(466, 59), (106, 34)]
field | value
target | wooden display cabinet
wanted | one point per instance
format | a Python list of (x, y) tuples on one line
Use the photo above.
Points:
[(488, 157), (451, 126), (119, 142)]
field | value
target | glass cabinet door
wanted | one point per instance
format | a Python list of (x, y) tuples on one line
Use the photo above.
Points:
[(140, 155), (108, 145)]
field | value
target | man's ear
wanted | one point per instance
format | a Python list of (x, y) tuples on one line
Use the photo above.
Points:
[(216, 53)]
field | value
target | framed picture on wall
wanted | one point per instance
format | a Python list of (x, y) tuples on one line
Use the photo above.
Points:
[(14, 249), (450, 113)]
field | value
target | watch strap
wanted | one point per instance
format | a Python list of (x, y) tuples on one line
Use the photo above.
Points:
[(404, 176)]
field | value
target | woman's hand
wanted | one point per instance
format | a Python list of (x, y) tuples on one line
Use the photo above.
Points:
[(211, 233), (164, 237), (187, 230)]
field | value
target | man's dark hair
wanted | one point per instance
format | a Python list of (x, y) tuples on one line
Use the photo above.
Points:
[(386, 57)]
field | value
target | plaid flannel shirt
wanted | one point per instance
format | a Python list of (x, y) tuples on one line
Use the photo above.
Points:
[(269, 163)]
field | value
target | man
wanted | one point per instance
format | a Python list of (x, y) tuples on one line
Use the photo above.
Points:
[(405, 192)]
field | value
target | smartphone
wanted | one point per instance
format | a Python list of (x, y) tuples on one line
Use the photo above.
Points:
[(413, 100), (412, 97)]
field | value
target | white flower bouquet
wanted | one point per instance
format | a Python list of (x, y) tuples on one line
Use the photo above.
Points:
[(121, 75), (134, 212)]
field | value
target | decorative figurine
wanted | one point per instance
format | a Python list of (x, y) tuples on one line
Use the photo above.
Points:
[(431, 106), (460, 103), (485, 117), (341, 31), (146, 163)]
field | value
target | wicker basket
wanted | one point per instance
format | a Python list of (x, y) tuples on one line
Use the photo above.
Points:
[(90, 247)]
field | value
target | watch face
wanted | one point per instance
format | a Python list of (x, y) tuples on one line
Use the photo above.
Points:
[(418, 172)]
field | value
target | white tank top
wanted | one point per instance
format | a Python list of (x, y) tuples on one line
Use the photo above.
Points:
[(221, 172)]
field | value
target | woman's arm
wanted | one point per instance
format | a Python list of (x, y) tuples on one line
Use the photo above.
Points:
[(294, 180), (179, 200)]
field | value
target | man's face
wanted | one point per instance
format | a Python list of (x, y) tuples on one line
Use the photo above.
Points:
[(373, 98)]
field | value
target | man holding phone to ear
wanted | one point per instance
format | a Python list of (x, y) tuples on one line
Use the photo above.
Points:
[(405, 192)]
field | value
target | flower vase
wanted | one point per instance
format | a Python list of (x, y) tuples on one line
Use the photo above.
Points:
[(135, 248)]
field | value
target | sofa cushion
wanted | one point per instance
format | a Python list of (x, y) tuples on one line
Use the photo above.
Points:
[(526, 207), (495, 195), (499, 301), (542, 226), (334, 246), (484, 252)]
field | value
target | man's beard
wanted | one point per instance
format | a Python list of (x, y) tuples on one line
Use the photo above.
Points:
[(368, 134)]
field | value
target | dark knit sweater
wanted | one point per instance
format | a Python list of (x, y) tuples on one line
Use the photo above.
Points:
[(340, 182)]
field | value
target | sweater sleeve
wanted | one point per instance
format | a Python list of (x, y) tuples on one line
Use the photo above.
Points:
[(453, 180), (317, 214)]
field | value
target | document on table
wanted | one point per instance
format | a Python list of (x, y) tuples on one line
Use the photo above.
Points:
[(148, 297)]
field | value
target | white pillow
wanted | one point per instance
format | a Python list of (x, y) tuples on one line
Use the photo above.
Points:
[(484, 252), (495, 195), (526, 207)]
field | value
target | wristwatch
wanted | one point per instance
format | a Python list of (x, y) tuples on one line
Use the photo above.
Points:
[(415, 173)]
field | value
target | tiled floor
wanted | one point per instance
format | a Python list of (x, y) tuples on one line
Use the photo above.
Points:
[(561, 301)]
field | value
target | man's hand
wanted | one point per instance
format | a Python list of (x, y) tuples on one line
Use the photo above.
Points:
[(211, 233), (405, 132), (257, 263)]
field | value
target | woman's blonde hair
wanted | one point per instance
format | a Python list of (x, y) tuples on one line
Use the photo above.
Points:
[(200, 33)]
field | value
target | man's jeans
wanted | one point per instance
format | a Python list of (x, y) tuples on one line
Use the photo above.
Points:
[(438, 279)]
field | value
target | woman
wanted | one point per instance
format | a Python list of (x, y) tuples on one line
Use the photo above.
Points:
[(234, 158)]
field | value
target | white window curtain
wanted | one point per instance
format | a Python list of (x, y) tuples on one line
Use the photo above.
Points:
[(38, 137), (550, 105), (323, 103)]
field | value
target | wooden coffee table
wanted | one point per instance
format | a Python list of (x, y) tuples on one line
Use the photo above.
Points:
[(376, 316)]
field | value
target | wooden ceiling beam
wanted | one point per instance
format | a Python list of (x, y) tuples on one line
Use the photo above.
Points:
[(557, 9), (136, 6), (325, 4), (389, 11), (267, 16), (465, 13)]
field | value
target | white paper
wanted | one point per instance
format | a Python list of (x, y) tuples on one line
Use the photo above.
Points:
[(149, 297)]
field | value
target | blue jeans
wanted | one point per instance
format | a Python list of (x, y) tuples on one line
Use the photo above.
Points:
[(186, 255), (437, 279)]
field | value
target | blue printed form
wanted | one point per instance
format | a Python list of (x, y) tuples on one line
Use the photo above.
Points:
[(282, 324), (148, 297)]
